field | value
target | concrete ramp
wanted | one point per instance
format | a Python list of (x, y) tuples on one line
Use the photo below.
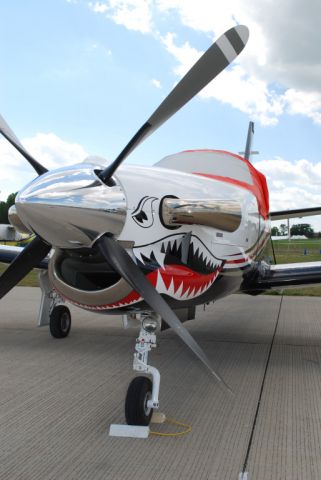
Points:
[(58, 397)]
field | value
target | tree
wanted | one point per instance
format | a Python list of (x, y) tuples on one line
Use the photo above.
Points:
[(275, 231), (302, 229), (283, 229), (4, 207)]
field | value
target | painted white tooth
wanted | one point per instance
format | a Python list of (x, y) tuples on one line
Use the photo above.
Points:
[(196, 292), (170, 290), (179, 291), (184, 296), (160, 285), (192, 293), (187, 293)]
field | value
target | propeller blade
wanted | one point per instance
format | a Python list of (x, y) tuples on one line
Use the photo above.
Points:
[(122, 263), (11, 137), (214, 60), (29, 257)]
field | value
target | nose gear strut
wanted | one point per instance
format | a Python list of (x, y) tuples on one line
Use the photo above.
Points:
[(142, 393)]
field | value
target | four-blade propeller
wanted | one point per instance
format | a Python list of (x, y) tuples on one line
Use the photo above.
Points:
[(214, 60)]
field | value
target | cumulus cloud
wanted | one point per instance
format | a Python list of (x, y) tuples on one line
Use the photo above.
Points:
[(233, 86), (292, 185), (280, 69), (132, 14), (50, 150)]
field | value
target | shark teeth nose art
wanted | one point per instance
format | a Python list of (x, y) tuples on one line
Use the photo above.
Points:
[(169, 251), (162, 265), (178, 282)]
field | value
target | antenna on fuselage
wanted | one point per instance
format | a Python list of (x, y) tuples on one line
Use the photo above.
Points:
[(248, 152)]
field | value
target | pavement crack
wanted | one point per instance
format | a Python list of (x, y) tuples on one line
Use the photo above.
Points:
[(248, 450)]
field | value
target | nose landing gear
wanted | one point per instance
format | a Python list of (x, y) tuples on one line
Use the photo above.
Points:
[(52, 310), (60, 321), (142, 393)]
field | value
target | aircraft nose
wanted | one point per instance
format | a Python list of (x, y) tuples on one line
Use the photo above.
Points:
[(71, 208)]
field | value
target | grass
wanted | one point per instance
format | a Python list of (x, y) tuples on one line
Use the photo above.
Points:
[(291, 251), (296, 251), (31, 280)]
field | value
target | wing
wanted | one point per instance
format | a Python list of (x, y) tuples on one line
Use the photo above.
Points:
[(9, 253), (267, 277), (297, 213)]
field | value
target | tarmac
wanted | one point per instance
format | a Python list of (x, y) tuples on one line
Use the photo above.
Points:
[(58, 397)]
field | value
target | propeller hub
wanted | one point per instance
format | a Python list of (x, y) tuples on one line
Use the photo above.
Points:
[(71, 207)]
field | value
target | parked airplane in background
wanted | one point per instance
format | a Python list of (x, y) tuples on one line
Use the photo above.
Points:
[(150, 243)]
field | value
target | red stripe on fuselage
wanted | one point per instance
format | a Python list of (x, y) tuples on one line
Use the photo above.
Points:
[(255, 189), (259, 187)]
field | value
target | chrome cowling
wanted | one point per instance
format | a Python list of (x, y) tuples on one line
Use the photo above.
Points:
[(71, 208)]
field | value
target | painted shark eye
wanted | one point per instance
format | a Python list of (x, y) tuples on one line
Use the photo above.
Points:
[(143, 214), (141, 217)]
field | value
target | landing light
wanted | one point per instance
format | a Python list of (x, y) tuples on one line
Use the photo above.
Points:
[(150, 325)]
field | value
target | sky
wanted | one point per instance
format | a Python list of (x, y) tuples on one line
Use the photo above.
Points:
[(80, 77)]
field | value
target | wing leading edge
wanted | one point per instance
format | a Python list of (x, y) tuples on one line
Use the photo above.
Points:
[(9, 253), (267, 277), (297, 213)]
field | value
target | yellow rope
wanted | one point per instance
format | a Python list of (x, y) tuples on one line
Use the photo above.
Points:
[(171, 421)]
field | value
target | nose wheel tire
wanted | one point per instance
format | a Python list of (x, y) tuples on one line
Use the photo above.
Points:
[(60, 322), (137, 411)]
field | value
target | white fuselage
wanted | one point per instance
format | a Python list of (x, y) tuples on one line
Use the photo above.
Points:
[(182, 261)]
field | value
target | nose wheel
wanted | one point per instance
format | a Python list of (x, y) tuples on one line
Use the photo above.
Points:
[(142, 393), (60, 321), (137, 411)]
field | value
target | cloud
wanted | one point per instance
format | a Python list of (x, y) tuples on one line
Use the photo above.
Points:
[(292, 184), (233, 86), (132, 14), (50, 150), (156, 83), (278, 72), (304, 103)]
